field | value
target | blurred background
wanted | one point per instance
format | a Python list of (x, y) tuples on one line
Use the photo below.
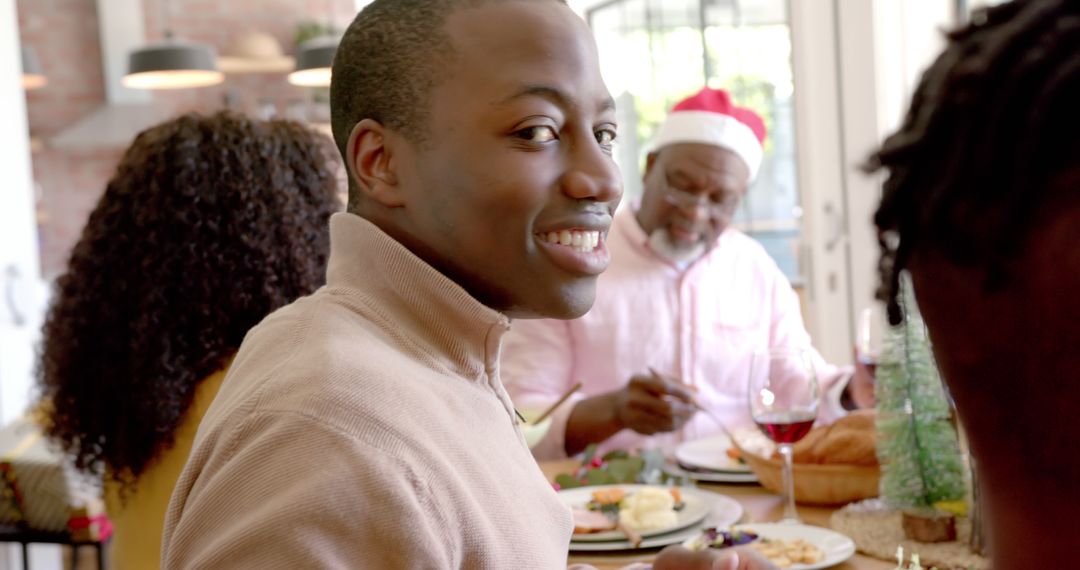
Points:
[(830, 77)]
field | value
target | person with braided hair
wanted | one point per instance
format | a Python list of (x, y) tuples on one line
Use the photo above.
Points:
[(982, 207)]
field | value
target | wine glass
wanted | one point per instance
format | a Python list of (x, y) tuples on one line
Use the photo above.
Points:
[(868, 333), (783, 394)]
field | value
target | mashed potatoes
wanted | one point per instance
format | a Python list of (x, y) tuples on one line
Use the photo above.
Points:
[(650, 508)]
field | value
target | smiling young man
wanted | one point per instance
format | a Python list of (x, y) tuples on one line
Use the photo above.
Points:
[(366, 426), (685, 302)]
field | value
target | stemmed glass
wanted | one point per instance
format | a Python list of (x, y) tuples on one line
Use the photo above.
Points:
[(868, 335), (783, 393)]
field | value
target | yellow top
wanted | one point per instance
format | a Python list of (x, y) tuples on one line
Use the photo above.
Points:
[(138, 522)]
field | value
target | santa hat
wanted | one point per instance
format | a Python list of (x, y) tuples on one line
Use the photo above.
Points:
[(709, 117)]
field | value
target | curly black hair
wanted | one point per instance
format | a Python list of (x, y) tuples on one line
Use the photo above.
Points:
[(389, 58), (991, 127), (208, 224)]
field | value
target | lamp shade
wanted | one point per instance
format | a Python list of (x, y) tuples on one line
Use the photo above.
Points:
[(172, 65), (255, 52), (313, 62), (32, 76)]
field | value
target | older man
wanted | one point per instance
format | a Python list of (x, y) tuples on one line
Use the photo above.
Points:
[(686, 301)]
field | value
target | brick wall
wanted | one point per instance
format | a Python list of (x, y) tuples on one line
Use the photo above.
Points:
[(65, 35)]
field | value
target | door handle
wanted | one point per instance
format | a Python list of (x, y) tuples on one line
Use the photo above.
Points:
[(835, 222), (11, 275)]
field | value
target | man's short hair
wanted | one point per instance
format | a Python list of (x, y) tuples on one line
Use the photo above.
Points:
[(388, 61)]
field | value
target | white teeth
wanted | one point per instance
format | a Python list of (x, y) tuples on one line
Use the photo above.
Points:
[(581, 241)]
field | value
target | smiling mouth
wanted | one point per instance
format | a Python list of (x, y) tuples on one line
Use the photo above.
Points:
[(583, 241)]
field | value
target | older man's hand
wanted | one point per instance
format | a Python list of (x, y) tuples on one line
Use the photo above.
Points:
[(651, 404)]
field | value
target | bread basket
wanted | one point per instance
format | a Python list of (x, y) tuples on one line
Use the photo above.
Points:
[(817, 484)]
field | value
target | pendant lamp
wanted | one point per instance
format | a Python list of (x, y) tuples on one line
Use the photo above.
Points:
[(32, 76), (172, 64), (313, 61)]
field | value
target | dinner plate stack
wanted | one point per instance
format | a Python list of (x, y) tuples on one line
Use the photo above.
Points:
[(701, 509)]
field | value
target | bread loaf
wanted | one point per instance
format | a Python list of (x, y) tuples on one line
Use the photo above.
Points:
[(849, 447), (805, 450), (850, 440), (864, 420)]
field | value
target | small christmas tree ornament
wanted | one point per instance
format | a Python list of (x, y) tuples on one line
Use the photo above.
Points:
[(918, 447)]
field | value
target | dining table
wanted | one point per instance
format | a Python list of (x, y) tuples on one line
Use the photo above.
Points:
[(759, 505)]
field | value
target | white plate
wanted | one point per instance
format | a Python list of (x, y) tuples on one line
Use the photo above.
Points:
[(693, 512), (710, 453), (837, 547), (721, 511), (707, 476)]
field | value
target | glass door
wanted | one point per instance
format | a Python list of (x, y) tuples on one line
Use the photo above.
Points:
[(21, 289), (655, 52), (779, 58), (830, 77)]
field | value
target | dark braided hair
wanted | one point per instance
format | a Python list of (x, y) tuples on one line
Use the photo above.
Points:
[(208, 225), (992, 126)]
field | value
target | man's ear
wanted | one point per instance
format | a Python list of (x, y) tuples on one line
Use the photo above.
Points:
[(371, 164)]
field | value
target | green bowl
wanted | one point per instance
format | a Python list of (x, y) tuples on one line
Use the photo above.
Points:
[(534, 432)]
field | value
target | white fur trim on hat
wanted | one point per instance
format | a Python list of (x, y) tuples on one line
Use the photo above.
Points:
[(707, 127)]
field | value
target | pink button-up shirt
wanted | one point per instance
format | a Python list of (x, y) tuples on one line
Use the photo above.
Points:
[(699, 324)]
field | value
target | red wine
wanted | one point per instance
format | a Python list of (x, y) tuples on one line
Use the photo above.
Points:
[(785, 427)]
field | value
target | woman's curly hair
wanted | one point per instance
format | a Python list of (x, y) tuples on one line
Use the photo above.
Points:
[(209, 224)]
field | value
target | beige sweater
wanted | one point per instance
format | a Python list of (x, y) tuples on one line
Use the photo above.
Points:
[(365, 426)]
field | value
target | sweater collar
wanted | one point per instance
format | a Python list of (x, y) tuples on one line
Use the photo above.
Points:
[(417, 302)]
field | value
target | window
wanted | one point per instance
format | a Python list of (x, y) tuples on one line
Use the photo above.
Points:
[(655, 52)]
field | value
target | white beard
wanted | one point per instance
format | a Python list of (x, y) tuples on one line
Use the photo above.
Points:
[(681, 255)]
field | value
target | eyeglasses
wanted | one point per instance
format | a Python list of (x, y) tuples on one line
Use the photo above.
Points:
[(719, 204)]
